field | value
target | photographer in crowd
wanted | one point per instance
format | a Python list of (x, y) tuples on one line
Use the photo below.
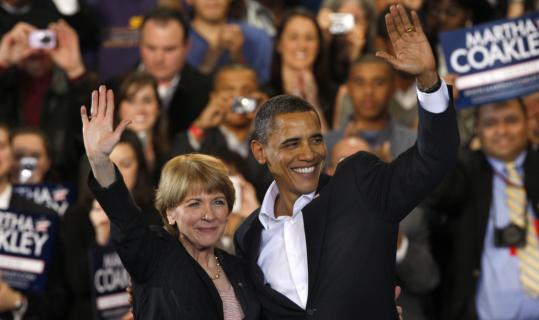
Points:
[(42, 80)]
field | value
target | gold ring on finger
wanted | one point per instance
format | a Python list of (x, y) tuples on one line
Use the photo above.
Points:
[(410, 28)]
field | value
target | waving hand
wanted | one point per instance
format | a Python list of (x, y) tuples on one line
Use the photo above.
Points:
[(413, 53), (99, 135)]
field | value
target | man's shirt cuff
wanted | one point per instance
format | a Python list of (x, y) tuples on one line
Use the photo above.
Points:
[(435, 102)]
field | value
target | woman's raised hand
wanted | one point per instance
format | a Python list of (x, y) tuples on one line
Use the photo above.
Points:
[(99, 135)]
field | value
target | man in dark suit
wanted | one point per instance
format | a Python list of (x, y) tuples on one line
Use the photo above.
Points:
[(163, 48), (321, 248), (488, 275), (15, 304)]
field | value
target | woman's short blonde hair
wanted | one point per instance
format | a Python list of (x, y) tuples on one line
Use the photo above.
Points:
[(187, 174)]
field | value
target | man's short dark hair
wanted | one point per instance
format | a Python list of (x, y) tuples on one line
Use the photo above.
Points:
[(275, 106), (371, 58), (233, 66), (164, 15)]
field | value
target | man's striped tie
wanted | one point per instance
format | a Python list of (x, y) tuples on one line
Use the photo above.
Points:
[(529, 254)]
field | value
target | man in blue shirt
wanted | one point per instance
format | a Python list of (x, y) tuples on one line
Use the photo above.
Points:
[(216, 39), (493, 199)]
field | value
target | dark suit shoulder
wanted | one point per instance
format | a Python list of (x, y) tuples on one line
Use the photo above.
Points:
[(360, 163)]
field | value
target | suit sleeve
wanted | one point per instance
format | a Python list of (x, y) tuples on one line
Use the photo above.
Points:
[(394, 189), (418, 272), (134, 242)]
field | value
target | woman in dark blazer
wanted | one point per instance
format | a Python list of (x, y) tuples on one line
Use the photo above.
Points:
[(176, 271)]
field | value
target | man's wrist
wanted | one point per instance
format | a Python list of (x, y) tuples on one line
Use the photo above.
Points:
[(428, 81)]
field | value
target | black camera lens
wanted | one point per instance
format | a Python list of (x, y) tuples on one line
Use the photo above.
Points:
[(46, 39)]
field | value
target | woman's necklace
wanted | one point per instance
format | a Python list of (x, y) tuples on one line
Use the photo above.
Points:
[(218, 270)]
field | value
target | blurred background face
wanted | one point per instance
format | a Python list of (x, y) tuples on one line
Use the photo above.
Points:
[(237, 83), (450, 15), (162, 49), (211, 10), (31, 145), (141, 107), (370, 86), (6, 157), (299, 44), (124, 157), (344, 148), (502, 130)]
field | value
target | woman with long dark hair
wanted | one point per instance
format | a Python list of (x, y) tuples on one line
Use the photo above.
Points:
[(299, 65)]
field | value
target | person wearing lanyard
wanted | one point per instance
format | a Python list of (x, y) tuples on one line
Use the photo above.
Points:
[(493, 201)]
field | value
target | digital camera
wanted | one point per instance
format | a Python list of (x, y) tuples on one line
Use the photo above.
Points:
[(243, 105), (42, 39), (27, 167), (341, 23), (510, 236)]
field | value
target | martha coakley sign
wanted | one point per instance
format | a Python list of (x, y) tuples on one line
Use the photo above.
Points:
[(27, 248), (494, 61)]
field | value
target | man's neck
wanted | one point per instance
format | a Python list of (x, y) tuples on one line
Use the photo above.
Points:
[(371, 124), (284, 205)]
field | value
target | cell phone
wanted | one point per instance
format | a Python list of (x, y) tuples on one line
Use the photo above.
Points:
[(27, 167), (42, 39), (243, 105), (341, 23)]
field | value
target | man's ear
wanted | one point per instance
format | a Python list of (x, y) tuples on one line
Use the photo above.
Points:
[(171, 216), (257, 148)]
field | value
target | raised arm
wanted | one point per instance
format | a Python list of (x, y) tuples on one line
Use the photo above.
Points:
[(396, 188), (99, 136)]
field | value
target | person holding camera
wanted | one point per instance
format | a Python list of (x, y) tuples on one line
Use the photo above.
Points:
[(226, 121), (42, 76), (492, 199), (33, 158)]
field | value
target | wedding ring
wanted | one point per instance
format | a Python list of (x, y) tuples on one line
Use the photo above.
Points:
[(410, 28)]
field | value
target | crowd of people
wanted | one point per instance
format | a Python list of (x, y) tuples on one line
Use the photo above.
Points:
[(237, 106)]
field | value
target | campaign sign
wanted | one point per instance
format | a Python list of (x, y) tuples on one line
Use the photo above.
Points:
[(56, 197), (110, 280), (26, 248), (494, 61)]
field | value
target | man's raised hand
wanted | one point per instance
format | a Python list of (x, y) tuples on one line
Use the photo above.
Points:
[(413, 53)]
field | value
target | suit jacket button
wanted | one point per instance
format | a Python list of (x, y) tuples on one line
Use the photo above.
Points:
[(240, 284), (476, 273), (311, 312)]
